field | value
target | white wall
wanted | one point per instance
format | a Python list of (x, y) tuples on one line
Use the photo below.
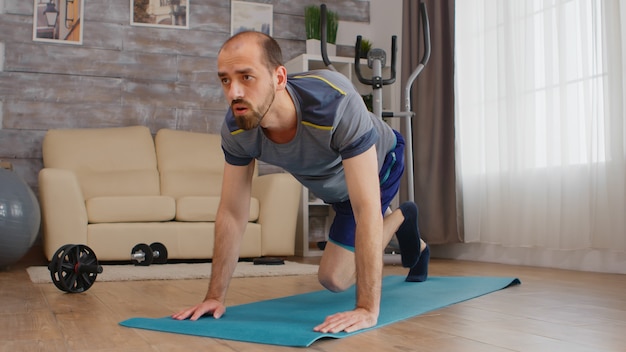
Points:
[(385, 21)]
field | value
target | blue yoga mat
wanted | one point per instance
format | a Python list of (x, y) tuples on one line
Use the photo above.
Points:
[(289, 321)]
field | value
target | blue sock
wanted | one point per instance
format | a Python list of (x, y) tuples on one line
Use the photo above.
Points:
[(408, 235), (419, 272)]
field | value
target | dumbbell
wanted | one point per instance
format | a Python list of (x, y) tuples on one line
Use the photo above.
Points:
[(74, 268), (144, 255)]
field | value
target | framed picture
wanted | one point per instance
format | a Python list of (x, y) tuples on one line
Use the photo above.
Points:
[(58, 21), (251, 16), (160, 13)]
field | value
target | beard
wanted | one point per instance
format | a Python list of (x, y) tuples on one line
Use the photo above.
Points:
[(252, 117)]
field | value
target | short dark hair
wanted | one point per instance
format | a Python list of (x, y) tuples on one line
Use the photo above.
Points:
[(271, 50), (273, 53)]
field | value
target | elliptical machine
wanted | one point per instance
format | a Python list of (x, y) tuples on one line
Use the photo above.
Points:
[(376, 60)]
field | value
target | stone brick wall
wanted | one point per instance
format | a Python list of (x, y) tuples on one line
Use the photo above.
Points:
[(121, 74)]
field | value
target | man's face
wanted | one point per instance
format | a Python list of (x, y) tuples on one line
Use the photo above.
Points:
[(248, 85)]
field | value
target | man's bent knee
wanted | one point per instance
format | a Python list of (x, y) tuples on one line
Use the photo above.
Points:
[(334, 283), (337, 271)]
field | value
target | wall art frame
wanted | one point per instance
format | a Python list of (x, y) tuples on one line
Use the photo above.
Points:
[(160, 13), (58, 21), (251, 16)]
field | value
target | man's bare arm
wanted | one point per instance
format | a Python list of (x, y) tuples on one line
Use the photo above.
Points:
[(232, 218), (364, 189), (230, 224)]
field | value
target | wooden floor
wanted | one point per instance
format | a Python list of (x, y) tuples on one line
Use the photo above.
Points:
[(553, 310)]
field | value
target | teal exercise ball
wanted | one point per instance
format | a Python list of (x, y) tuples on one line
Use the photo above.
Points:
[(20, 218)]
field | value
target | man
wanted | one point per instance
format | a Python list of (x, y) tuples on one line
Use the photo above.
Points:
[(315, 126)]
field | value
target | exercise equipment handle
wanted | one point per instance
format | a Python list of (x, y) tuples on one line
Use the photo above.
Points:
[(423, 62), (324, 35), (375, 81), (392, 79), (407, 102), (426, 30)]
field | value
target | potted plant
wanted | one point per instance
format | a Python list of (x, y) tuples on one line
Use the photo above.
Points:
[(366, 46), (312, 22)]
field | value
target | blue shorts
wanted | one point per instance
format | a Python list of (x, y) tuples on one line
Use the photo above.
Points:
[(344, 226)]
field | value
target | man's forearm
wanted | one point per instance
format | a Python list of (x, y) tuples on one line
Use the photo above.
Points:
[(369, 262), (228, 236)]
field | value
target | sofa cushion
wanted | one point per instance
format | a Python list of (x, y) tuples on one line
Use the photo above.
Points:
[(194, 208), (181, 183), (190, 163), (118, 161), (130, 209), (119, 183)]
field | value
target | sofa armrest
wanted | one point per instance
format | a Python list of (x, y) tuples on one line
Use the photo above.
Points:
[(279, 198), (64, 216)]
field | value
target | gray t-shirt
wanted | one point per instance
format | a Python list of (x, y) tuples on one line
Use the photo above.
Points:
[(333, 124)]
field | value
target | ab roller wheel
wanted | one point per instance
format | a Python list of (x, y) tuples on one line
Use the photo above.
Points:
[(74, 268)]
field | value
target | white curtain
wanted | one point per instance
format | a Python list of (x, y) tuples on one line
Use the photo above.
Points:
[(541, 128)]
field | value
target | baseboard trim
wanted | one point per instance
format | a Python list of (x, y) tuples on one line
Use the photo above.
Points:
[(594, 260)]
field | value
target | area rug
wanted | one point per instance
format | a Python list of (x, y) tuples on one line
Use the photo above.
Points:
[(180, 271), (289, 321)]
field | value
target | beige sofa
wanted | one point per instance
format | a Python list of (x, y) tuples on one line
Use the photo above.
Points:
[(113, 188)]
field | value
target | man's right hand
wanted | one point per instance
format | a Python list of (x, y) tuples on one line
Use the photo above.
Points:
[(209, 306)]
